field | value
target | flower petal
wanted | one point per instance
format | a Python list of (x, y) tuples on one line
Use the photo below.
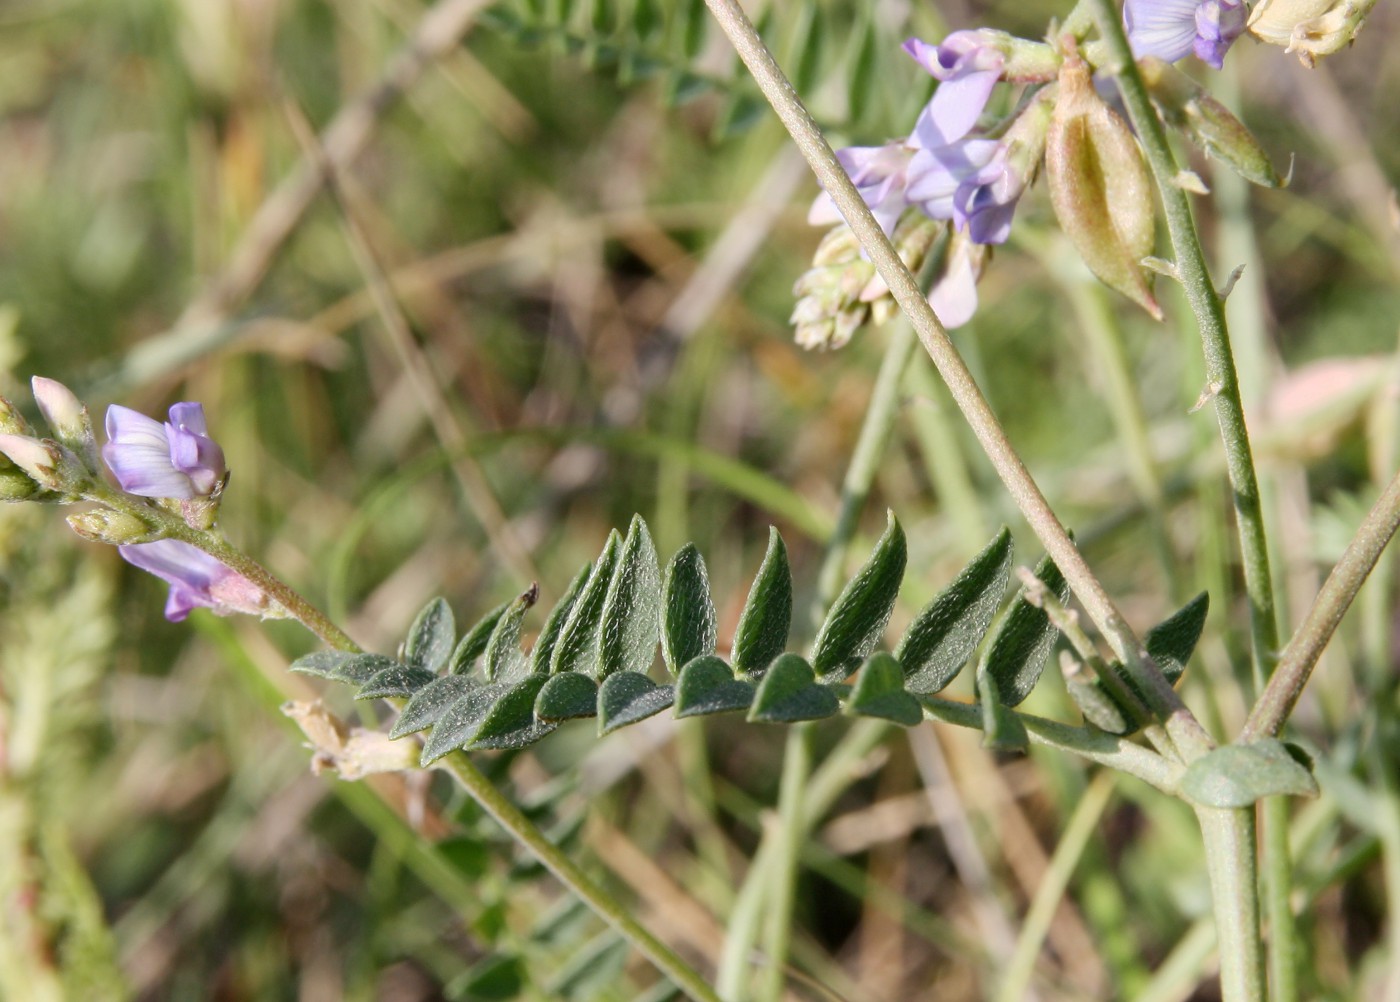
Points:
[(1162, 28)]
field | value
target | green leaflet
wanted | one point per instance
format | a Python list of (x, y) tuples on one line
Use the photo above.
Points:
[(707, 685), (1172, 641), (554, 623), (324, 664), (505, 662), (395, 682), (360, 668), (576, 649), (473, 644), (626, 697), (1002, 730), (631, 617), (942, 637), (511, 721), (567, 696), (430, 702), (879, 692), (762, 632), (1238, 775), (431, 636), (688, 628), (858, 617), (1023, 641), (458, 725), (789, 692)]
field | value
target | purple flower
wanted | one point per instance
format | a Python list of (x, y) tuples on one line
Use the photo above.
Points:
[(954, 296), (1174, 29), (196, 579), (967, 66), (177, 459), (880, 175), (984, 204)]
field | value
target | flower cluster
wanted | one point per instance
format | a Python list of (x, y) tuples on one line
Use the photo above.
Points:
[(175, 464)]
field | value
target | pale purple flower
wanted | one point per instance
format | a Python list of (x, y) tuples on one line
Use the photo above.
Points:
[(176, 459), (1174, 29), (880, 175), (984, 204), (967, 66), (954, 296), (196, 579)]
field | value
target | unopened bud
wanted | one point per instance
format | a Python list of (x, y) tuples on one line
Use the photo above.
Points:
[(16, 485), (1100, 188), (1206, 122), (67, 416), (41, 460), (12, 422), (116, 528), (1311, 28)]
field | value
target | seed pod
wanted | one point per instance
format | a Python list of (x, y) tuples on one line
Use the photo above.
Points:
[(1207, 123), (1100, 188)]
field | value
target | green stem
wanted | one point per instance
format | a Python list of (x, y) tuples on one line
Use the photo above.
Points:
[(603, 904), (1299, 658), (1230, 857), (1163, 701), (788, 837), (874, 435)]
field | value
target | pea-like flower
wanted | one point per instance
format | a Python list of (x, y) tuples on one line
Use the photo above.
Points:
[(176, 459), (1174, 29), (196, 579), (880, 175), (967, 65)]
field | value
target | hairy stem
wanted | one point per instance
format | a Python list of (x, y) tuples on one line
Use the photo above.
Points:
[(1163, 701), (1231, 859)]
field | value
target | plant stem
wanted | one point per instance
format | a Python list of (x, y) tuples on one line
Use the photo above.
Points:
[(603, 904), (1299, 658), (1230, 857), (789, 833), (1162, 700)]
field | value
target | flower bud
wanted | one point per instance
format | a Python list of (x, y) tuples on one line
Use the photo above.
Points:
[(41, 460), (116, 528), (15, 485), (1310, 28), (1207, 123), (67, 416), (1100, 188), (12, 422)]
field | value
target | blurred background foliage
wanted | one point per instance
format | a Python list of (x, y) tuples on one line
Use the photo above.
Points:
[(593, 230)]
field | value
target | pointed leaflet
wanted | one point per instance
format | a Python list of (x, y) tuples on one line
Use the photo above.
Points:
[(567, 696), (763, 625), (429, 704), (360, 668), (576, 649), (879, 692), (554, 623), (789, 692), (631, 615), (688, 629), (858, 618), (396, 682), (431, 636), (458, 725), (1023, 641), (322, 663), (1172, 641), (707, 685), (511, 722), (474, 642), (504, 660), (626, 697), (943, 636)]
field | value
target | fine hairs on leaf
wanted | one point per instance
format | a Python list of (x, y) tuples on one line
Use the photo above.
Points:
[(631, 615), (763, 627), (858, 617), (576, 649), (688, 625), (431, 637), (541, 656), (505, 662), (1018, 652)]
